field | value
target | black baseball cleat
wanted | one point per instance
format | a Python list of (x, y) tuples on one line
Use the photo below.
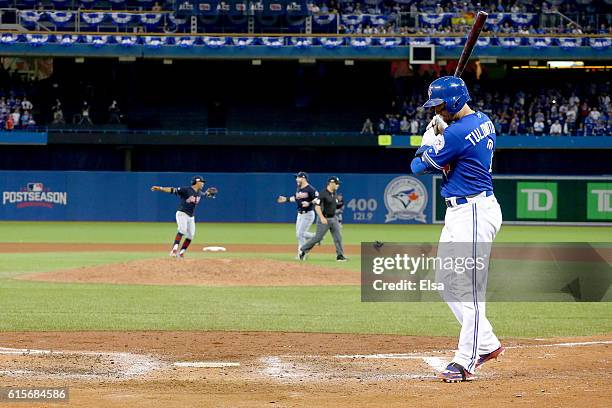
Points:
[(302, 256), (341, 258), (455, 373)]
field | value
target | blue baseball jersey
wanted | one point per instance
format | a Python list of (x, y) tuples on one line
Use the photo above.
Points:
[(305, 194), (465, 156), (189, 199)]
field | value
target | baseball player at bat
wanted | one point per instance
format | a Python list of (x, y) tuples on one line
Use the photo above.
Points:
[(189, 197), (303, 198), (463, 153)]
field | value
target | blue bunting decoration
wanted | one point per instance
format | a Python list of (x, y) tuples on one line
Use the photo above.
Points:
[(96, 41), (361, 42), (214, 42), (272, 42), (126, 40), (450, 42), (121, 18), (93, 19), (390, 42), (154, 41), (60, 18), (331, 42), (301, 42), (36, 40), (242, 42)]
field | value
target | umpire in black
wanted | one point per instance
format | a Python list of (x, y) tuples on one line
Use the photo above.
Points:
[(326, 205)]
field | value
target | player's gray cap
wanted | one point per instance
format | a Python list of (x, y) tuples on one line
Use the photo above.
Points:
[(302, 174)]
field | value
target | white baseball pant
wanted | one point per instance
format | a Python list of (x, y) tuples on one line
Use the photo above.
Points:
[(302, 224), (469, 230), (186, 224)]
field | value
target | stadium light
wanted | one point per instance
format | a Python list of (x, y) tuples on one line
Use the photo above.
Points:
[(565, 64)]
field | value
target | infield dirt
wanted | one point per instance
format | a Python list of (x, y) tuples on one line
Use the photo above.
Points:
[(207, 272), (300, 370)]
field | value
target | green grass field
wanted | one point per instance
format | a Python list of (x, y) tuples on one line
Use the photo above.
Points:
[(41, 306), (245, 233)]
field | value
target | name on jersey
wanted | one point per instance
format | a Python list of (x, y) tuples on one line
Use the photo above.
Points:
[(484, 130), (193, 200), (301, 195)]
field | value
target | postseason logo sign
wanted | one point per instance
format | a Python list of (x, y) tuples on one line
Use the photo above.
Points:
[(35, 195)]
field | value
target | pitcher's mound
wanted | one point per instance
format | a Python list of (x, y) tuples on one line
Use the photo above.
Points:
[(205, 272)]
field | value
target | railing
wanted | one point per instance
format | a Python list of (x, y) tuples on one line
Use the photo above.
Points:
[(79, 20), (315, 35), (589, 19), (186, 132), (598, 43), (231, 132)]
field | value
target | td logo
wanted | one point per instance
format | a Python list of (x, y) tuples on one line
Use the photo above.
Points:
[(536, 200), (599, 201)]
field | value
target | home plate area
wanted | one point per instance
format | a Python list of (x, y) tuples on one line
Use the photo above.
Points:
[(297, 369)]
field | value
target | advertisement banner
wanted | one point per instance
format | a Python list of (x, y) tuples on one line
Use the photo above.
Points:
[(547, 199), (243, 197)]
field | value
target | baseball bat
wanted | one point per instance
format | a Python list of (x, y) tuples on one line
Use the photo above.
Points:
[(481, 17)]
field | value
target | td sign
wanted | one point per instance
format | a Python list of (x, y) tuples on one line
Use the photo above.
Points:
[(536, 200), (599, 201)]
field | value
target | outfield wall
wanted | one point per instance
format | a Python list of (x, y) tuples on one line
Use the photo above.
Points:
[(250, 197)]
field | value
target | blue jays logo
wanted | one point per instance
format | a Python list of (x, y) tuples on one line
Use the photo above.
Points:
[(405, 199)]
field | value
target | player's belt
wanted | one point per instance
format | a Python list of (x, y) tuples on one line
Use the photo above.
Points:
[(303, 211), (455, 201)]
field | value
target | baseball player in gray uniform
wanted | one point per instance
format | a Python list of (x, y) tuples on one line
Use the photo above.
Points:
[(189, 197), (303, 197), (326, 207)]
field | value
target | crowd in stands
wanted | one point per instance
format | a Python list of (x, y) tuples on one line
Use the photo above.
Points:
[(16, 112), (82, 116), (549, 111), (393, 29), (465, 9), (448, 6), (402, 17)]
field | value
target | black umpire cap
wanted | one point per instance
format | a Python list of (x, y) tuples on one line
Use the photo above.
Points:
[(195, 179), (334, 179), (302, 174)]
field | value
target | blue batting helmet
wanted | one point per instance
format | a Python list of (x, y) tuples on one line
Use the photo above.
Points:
[(450, 90)]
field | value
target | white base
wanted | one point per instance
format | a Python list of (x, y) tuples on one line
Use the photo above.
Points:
[(214, 249), (206, 364)]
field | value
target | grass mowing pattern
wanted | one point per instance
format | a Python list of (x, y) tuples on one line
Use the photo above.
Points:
[(55, 306), (40, 306)]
